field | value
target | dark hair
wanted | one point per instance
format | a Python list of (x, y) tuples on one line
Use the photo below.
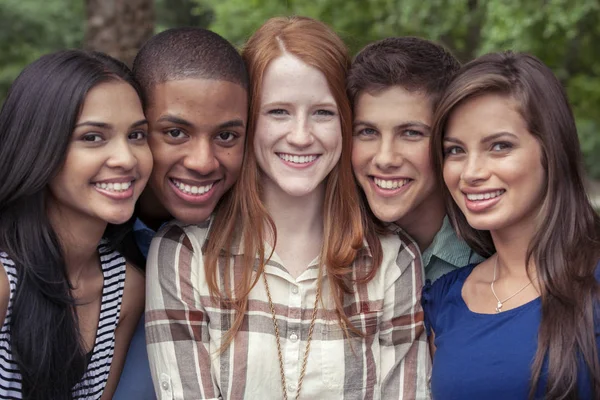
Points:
[(36, 123), (183, 53), (413, 63), (566, 245)]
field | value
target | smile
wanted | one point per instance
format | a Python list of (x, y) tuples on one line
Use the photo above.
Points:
[(297, 159), (390, 184), (114, 187), (190, 189), (484, 196)]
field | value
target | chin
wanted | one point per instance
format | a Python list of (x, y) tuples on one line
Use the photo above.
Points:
[(191, 218), (482, 223), (118, 218)]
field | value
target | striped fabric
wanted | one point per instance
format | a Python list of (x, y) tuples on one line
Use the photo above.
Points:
[(184, 328), (92, 383)]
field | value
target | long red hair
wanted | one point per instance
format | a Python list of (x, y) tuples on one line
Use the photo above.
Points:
[(345, 223)]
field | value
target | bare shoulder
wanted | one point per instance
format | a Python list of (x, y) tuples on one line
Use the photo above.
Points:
[(133, 293), (4, 293)]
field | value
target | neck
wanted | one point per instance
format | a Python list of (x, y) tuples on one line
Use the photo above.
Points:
[(511, 249), (295, 216), (425, 222), (79, 237), (151, 211)]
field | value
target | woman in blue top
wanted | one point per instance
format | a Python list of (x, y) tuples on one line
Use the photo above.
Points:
[(526, 322)]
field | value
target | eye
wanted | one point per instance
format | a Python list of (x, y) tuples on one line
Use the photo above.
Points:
[(502, 146), (92, 137), (366, 132), (325, 113), (453, 150), (278, 112), (137, 135), (226, 136), (175, 133), (412, 133)]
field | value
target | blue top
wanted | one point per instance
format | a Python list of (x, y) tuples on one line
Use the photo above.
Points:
[(136, 381), (484, 356)]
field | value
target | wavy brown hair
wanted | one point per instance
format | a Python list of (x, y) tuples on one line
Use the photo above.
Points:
[(242, 212), (566, 245)]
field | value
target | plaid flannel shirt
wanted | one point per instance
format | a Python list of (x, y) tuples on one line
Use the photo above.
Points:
[(184, 327)]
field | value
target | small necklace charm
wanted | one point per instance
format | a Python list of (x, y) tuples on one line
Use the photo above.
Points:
[(501, 302)]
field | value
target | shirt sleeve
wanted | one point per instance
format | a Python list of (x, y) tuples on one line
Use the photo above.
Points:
[(176, 322), (405, 357)]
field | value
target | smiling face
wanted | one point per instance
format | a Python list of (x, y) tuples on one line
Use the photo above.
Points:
[(108, 161), (390, 155), (198, 128), (492, 164), (298, 138)]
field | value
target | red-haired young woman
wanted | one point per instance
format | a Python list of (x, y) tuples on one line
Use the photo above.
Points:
[(288, 291)]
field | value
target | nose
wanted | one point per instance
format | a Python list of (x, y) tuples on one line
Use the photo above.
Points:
[(300, 135), (387, 156), (201, 157), (122, 156), (474, 169)]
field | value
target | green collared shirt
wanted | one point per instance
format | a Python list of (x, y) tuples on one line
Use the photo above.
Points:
[(447, 252)]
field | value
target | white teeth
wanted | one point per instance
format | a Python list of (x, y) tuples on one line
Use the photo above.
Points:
[(190, 189), (114, 187), (484, 196), (297, 159), (390, 183)]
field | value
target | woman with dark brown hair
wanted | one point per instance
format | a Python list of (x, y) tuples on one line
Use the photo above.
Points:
[(526, 322), (289, 291)]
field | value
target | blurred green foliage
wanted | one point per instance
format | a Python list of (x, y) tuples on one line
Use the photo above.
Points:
[(565, 34)]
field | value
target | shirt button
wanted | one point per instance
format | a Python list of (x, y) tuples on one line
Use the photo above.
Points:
[(292, 387), (295, 290), (165, 385), (293, 337)]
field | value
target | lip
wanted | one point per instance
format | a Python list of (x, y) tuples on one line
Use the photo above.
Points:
[(389, 192), (478, 206), (122, 195), (119, 179), (194, 198), (298, 165)]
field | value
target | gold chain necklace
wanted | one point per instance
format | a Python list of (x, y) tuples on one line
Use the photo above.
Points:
[(501, 302), (310, 333)]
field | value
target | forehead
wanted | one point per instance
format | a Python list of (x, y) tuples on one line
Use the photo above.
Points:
[(111, 100), (486, 114), (287, 78), (394, 102), (191, 98)]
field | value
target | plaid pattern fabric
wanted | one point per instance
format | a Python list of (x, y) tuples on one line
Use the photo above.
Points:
[(184, 328)]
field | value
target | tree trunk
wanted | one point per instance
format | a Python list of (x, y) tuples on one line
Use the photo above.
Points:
[(119, 27)]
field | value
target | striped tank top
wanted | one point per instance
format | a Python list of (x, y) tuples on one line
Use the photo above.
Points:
[(94, 379)]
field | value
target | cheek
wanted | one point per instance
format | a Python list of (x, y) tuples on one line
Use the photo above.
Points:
[(231, 160), (145, 161), (451, 172), (418, 155), (331, 137)]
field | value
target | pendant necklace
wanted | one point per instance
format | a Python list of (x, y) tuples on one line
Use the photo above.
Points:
[(501, 302), (278, 341)]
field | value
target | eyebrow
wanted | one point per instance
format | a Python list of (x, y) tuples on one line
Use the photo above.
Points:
[(104, 125), (139, 123), (234, 123), (404, 125), (174, 120), (488, 138)]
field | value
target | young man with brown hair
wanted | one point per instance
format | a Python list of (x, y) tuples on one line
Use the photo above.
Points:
[(394, 85)]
